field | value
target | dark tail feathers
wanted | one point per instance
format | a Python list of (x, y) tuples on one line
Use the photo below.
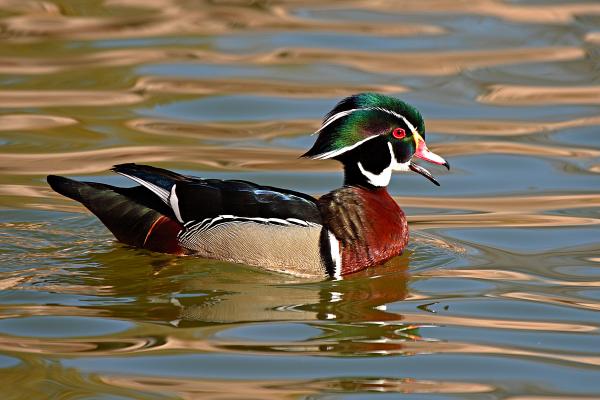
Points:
[(121, 210), (66, 187)]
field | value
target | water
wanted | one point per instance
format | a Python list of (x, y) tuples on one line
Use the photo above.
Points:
[(497, 297)]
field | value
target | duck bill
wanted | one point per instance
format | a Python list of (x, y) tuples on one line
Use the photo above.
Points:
[(424, 153), (422, 171)]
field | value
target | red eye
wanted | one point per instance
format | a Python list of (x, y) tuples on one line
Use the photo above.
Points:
[(399, 133)]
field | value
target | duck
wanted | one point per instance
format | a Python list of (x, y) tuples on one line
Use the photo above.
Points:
[(349, 229)]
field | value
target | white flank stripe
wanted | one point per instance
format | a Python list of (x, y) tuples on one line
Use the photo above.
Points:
[(334, 245), (196, 227), (279, 221), (160, 192), (174, 201), (195, 224), (298, 221)]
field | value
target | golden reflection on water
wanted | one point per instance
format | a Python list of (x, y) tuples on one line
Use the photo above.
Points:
[(224, 131), (87, 85), (531, 14), (255, 86), (91, 161), (236, 158), (169, 17), (417, 63), (422, 63), (61, 98), (465, 148), (536, 95), (187, 388), (18, 122), (504, 127)]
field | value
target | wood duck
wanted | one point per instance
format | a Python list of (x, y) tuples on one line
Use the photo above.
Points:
[(349, 229)]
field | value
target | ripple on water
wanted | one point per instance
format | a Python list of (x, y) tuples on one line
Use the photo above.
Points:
[(61, 326), (270, 332), (528, 240), (243, 388), (519, 368), (8, 362), (495, 297)]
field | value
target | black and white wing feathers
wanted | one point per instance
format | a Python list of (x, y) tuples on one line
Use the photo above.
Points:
[(196, 200)]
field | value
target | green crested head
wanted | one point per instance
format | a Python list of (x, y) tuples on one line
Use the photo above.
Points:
[(362, 117), (373, 135)]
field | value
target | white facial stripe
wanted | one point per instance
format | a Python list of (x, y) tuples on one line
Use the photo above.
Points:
[(410, 126), (334, 246), (335, 117), (341, 114), (334, 153)]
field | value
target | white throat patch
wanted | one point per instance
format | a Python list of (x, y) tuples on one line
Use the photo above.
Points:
[(383, 178), (380, 180)]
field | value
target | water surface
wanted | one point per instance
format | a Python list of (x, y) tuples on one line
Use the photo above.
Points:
[(497, 296)]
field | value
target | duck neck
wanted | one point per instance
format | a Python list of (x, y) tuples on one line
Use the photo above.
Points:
[(355, 174), (370, 165)]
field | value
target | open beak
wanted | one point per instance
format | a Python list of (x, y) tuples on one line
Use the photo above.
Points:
[(424, 153), (420, 170)]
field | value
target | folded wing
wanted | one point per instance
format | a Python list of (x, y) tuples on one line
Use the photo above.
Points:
[(195, 199)]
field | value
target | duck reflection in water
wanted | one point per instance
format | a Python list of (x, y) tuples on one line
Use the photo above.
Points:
[(350, 314)]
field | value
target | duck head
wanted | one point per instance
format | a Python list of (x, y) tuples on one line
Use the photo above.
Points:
[(373, 135)]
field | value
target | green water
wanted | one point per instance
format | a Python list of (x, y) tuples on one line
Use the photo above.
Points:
[(498, 296)]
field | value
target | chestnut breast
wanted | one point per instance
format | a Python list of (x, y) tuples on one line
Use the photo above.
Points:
[(368, 223)]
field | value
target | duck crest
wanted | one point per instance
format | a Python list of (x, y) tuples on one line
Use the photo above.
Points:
[(360, 118), (369, 225)]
